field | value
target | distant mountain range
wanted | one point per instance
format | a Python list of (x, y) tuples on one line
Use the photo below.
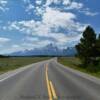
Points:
[(49, 50)]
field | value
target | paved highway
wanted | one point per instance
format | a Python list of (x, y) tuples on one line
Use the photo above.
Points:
[(48, 80)]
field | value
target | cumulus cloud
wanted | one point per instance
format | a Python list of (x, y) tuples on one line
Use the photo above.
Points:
[(51, 19), (55, 17), (56, 26)]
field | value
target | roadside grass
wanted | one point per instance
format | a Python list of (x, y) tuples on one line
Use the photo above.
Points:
[(12, 63), (74, 63)]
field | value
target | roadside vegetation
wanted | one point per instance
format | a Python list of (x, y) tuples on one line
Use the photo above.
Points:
[(88, 50), (10, 63), (88, 53), (74, 62)]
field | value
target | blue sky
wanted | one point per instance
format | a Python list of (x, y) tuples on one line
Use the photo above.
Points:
[(29, 24)]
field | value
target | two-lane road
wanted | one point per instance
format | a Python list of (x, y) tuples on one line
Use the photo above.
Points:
[(48, 80)]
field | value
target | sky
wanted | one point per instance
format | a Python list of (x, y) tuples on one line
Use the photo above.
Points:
[(29, 24)]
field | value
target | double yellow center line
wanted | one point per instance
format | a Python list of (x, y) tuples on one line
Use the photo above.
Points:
[(51, 90)]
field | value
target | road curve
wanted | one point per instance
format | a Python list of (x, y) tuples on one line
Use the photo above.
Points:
[(48, 80)]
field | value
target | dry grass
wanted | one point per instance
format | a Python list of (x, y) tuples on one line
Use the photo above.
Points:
[(16, 62)]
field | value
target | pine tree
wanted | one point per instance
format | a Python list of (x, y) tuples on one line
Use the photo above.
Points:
[(99, 36), (86, 47), (98, 46)]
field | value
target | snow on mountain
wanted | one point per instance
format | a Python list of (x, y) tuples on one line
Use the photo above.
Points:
[(49, 50)]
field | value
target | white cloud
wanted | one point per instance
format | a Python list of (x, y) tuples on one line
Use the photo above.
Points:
[(72, 5), (38, 2), (29, 7), (35, 44), (75, 5), (39, 10), (4, 40), (31, 39), (26, 1), (13, 26), (25, 46), (88, 12), (57, 1), (66, 2), (48, 2), (15, 46), (46, 31), (52, 18), (55, 17), (69, 4), (3, 4), (91, 13)]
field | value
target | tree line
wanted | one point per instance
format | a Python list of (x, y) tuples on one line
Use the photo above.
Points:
[(88, 49)]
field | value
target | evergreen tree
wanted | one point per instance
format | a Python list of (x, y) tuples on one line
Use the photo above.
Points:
[(99, 37), (86, 48), (98, 46)]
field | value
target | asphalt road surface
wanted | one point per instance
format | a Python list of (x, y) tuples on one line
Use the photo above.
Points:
[(48, 80)]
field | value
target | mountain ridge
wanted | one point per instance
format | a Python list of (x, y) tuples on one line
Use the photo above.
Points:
[(49, 50)]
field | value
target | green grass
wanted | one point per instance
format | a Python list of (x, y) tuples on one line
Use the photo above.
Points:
[(74, 63), (11, 63)]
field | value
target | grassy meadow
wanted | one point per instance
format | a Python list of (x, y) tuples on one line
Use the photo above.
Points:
[(74, 63), (10, 63)]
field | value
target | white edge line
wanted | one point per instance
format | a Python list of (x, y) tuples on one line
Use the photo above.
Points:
[(9, 76)]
